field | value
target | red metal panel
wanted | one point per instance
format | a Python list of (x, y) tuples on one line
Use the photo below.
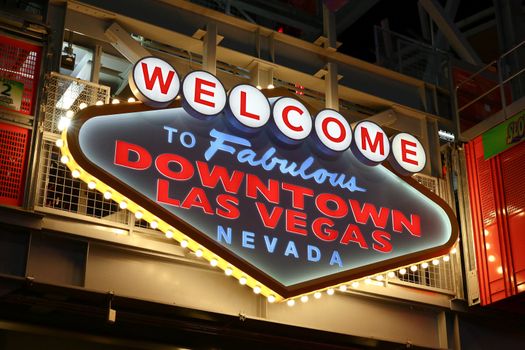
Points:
[(20, 61), (497, 198), (14, 142)]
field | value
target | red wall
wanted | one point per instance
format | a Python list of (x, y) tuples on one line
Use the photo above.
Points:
[(497, 198)]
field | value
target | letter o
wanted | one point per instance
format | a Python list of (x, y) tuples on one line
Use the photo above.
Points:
[(333, 130)]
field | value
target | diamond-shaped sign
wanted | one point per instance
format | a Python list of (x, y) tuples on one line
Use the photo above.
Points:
[(287, 219)]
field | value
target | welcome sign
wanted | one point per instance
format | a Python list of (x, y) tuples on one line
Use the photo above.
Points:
[(286, 203)]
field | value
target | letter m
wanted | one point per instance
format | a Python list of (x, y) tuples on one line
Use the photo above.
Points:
[(150, 80)]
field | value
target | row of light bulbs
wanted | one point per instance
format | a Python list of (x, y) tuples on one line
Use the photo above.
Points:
[(199, 251)]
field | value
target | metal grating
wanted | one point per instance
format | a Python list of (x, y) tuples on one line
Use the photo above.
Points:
[(20, 61), (66, 93), (59, 190), (13, 149), (434, 276)]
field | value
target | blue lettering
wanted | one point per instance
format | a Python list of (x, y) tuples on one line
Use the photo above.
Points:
[(170, 131), (248, 239), (291, 249), (219, 143), (314, 254), (270, 246), (336, 259), (187, 134), (224, 235)]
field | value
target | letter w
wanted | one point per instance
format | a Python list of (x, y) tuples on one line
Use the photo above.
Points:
[(218, 173), (157, 75)]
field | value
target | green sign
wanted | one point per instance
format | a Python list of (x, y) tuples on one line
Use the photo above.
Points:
[(11, 93), (503, 136)]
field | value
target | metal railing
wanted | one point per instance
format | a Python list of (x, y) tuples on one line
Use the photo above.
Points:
[(492, 88)]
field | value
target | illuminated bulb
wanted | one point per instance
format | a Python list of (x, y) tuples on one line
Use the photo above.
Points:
[(154, 224), (380, 278), (446, 258), (343, 288), (75, 173), (453, 251), (317, 295), (492, 258), (270, 86), (486, 232), (271, 298), (259, 87), (487, 246), (184, 243), (242, 280), (355, 284), (198, 253), (82, 105), (290, 302), (368, 281), (131, 99), (115, 101), (256, 289), (499, 270), (99, 103), (330, 291), (169, 234), (435, 262), (123, 205), (214, 262), (413, 268), (107, 195), (139, 215), (59, 143), (64, 159), (391, 274), (402, 271), (63, 124), (424, 265), (304, 298), (70, 114), (92, 185), (228, 271)]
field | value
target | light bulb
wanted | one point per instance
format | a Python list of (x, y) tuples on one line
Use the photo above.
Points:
[(75, 173), (290, 302), (256, 289), (270, 86), (184, 243), (139, 215), (99, 103), (228, 271), (304, 298), (317, 295), (70, 114), (330, 291), (355, 284), (169, 234), (64, 159), (424, 265), (242, 280), (154, 224), (198, 253), (59, 143), (92, 185), (391, 274), (402, 271), (107, 195), (271, 298), (435, 262), (446, 258), (131, 99), (123, 205), (82, 105), (214, 262), (380, 278), (115, 101), (413, 268)]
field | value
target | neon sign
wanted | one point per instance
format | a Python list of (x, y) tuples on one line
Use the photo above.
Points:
[(283, 202)]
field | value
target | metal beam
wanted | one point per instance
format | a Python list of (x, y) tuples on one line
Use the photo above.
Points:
[(121, 40), (331, 86), (351, 12), (209, 52), (451, 32)]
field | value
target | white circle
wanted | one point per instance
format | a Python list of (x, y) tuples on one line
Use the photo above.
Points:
[(249, 106), (154, 81), (204, 93), (292, 118), (338, 135), (414, 159), (371, 141)]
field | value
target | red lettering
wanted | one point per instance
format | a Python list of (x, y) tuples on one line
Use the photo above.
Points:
[(122, 155), (324, 126), (295, 222), (157, 75), (369, 210), (254, 185), (378, 141), (382, 241), (324, 234), (200, 91), (321, 201), (413, 225), (163, 196), (186, 168), (244, 112), (197, 198), (229, 204), (405, 152), (209, 179), (286, 121), (298, 194), (269, 220), (353, 234)]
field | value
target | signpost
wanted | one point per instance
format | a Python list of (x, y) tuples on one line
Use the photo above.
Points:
[(286, 204)]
